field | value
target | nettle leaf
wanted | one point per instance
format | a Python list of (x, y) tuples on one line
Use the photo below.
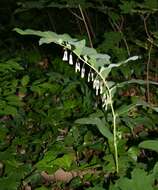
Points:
[(149, 144), (140, 180), (100, 123)]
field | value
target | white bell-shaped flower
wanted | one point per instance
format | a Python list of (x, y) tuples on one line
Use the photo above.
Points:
[(101, 87), (89, 76), (97, 87), (94, 83), (104, 100), (70, 59), (83, 72), (65, 56), (77, 66), (92, 76)]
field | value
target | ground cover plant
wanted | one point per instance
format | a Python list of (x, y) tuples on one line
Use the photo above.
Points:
[(79, 109)]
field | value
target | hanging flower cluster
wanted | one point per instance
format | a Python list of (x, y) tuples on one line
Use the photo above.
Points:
[(97, 83)]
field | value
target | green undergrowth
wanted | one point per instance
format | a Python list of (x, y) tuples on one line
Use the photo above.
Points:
[(37, 109), (50, 119)]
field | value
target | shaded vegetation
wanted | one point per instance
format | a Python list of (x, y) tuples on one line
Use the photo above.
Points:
[(58, 131)]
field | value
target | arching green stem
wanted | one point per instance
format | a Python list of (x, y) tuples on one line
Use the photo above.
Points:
[(111, 105)]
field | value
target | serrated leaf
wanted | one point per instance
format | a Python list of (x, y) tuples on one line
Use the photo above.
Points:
[(140, 180)]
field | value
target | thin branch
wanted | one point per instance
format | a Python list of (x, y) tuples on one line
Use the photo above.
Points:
[(51, 21), (147, 73), (124, 39), (90, 24), (76, 15), (152, 42), (145, 26), (86, 26), (149, 38)]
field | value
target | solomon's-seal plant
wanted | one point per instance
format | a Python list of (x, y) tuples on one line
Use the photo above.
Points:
[(99, 68)]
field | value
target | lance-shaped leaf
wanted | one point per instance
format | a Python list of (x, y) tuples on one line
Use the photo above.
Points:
[(149, 144), (100, 123)]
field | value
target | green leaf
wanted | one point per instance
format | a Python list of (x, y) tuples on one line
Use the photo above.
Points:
[(100, 123), (28, 32), (127, 6), (105, 72), (9, 110), (96, 188), (126, 108), (149, 144), (79, 45), (9, 183), (151, 4), (140, 180), (41, 188), (13, 100), (136, 81), (155, 171), (65, 161), (25, 80), (133, 152)]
